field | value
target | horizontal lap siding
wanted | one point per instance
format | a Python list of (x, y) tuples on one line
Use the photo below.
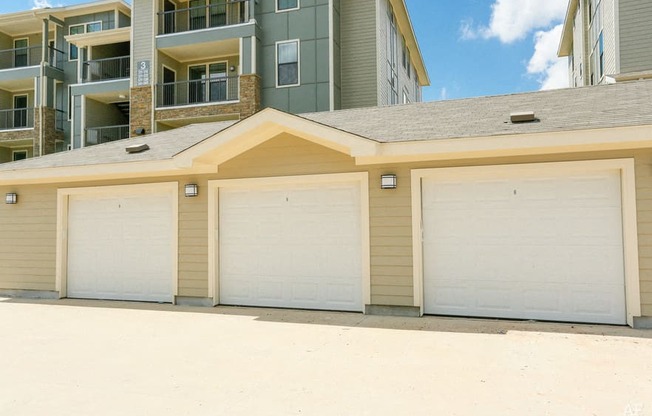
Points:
[(28, 239), (644, 208), (390, 215), (635, 35)]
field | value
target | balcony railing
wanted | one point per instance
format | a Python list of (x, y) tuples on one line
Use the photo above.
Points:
[(99, 135), (204, 17), (203, 91), (19, 118), (106, 69), (30, 56)]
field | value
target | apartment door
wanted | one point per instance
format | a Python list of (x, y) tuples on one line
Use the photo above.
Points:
[(169, 19), (217, 12), (208, 83), (197, 14), (20, 111), (20, 53), (169, 79)]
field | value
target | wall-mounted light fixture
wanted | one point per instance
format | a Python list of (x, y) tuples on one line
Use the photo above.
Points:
[(192, 190), (11, 198), (139, 131), (388, 181), (232, 68)]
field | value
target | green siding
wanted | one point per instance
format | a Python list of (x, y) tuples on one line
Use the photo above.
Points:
[(358, 54), (310, 25), (635, 35)]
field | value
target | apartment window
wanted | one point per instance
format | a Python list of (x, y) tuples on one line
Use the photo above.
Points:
[(409, 63), (20, 52), (601, 54), (20, 111), (208, 83), (285, 5), (403, 53), (73, 52), (287, 63), (392, 57), (406, 97), (19, 155)]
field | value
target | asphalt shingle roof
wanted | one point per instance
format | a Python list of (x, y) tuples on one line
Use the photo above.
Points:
[(615, 105)]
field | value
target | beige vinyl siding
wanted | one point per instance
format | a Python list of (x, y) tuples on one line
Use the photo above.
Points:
[(143, 35), (28, 243), (358, 54), (609, 33), (635, 35), (382, 51)]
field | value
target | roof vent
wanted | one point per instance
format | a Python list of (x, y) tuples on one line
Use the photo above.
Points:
[(522, 117), (137, 148)]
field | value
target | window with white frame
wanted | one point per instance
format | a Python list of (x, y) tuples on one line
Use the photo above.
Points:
[(392, 57), (287, 63), (73, 52), (285, 5)]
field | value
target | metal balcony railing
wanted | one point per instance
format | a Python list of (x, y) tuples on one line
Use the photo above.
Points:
[(99, 135), (30, 56), (230, 12), (19, 118), (21, 57), (106, 69), (211, 90)]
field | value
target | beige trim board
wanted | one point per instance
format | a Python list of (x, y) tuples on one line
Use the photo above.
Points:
[(629, 221), (213, 212), (63, 200)]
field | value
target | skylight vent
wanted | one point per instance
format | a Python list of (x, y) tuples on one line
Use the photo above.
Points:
[(522, 117), (137, 148)]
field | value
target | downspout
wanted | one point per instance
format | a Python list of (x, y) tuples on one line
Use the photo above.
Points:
[(44, 51)]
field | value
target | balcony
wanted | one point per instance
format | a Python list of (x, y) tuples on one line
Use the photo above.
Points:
[(17, 119), (99, 135), (197, 92), (203, 17), (29, 56), (106, 69)]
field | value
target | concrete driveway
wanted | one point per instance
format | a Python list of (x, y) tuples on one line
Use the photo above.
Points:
[(111, 358)]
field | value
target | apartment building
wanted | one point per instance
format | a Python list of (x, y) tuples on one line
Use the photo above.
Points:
[(109, 70), (607, 41)]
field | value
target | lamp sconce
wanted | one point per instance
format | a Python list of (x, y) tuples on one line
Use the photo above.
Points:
[(192, 190), (11, 198), (139, 131), (388, 181), (232, 68)]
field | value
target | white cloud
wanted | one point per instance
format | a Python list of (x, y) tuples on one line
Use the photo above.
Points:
[(551, 70), (513, 20), (42, 4)]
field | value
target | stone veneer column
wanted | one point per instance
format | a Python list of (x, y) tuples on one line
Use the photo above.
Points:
[(49, 129), (140, 111), (250, 95)]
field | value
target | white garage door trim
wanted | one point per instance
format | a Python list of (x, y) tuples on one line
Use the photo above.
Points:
[(213, 204), (630, 233), (63, 197)]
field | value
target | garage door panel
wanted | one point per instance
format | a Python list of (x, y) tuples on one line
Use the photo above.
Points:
[(120, 246), (546, 247), (304, 252)]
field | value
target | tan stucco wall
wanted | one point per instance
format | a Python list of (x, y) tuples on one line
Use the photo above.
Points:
[(30, 264)]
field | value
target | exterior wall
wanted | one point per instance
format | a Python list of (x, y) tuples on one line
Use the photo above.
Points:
[(309, 24), (28, 243), (635, 35), (50, 134), (609, 31), (140, 110), (143, 16), (249, 104), (577, 63), (31, 223), (358, 54), (101, 115)]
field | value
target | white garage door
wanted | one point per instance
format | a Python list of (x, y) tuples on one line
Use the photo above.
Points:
[(294, 246), (120, 247), (542, 246)]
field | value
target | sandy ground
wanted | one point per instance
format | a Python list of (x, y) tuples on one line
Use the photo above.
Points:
[(112, 358)]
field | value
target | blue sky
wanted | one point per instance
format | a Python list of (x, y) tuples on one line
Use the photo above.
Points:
[(471, 47)]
